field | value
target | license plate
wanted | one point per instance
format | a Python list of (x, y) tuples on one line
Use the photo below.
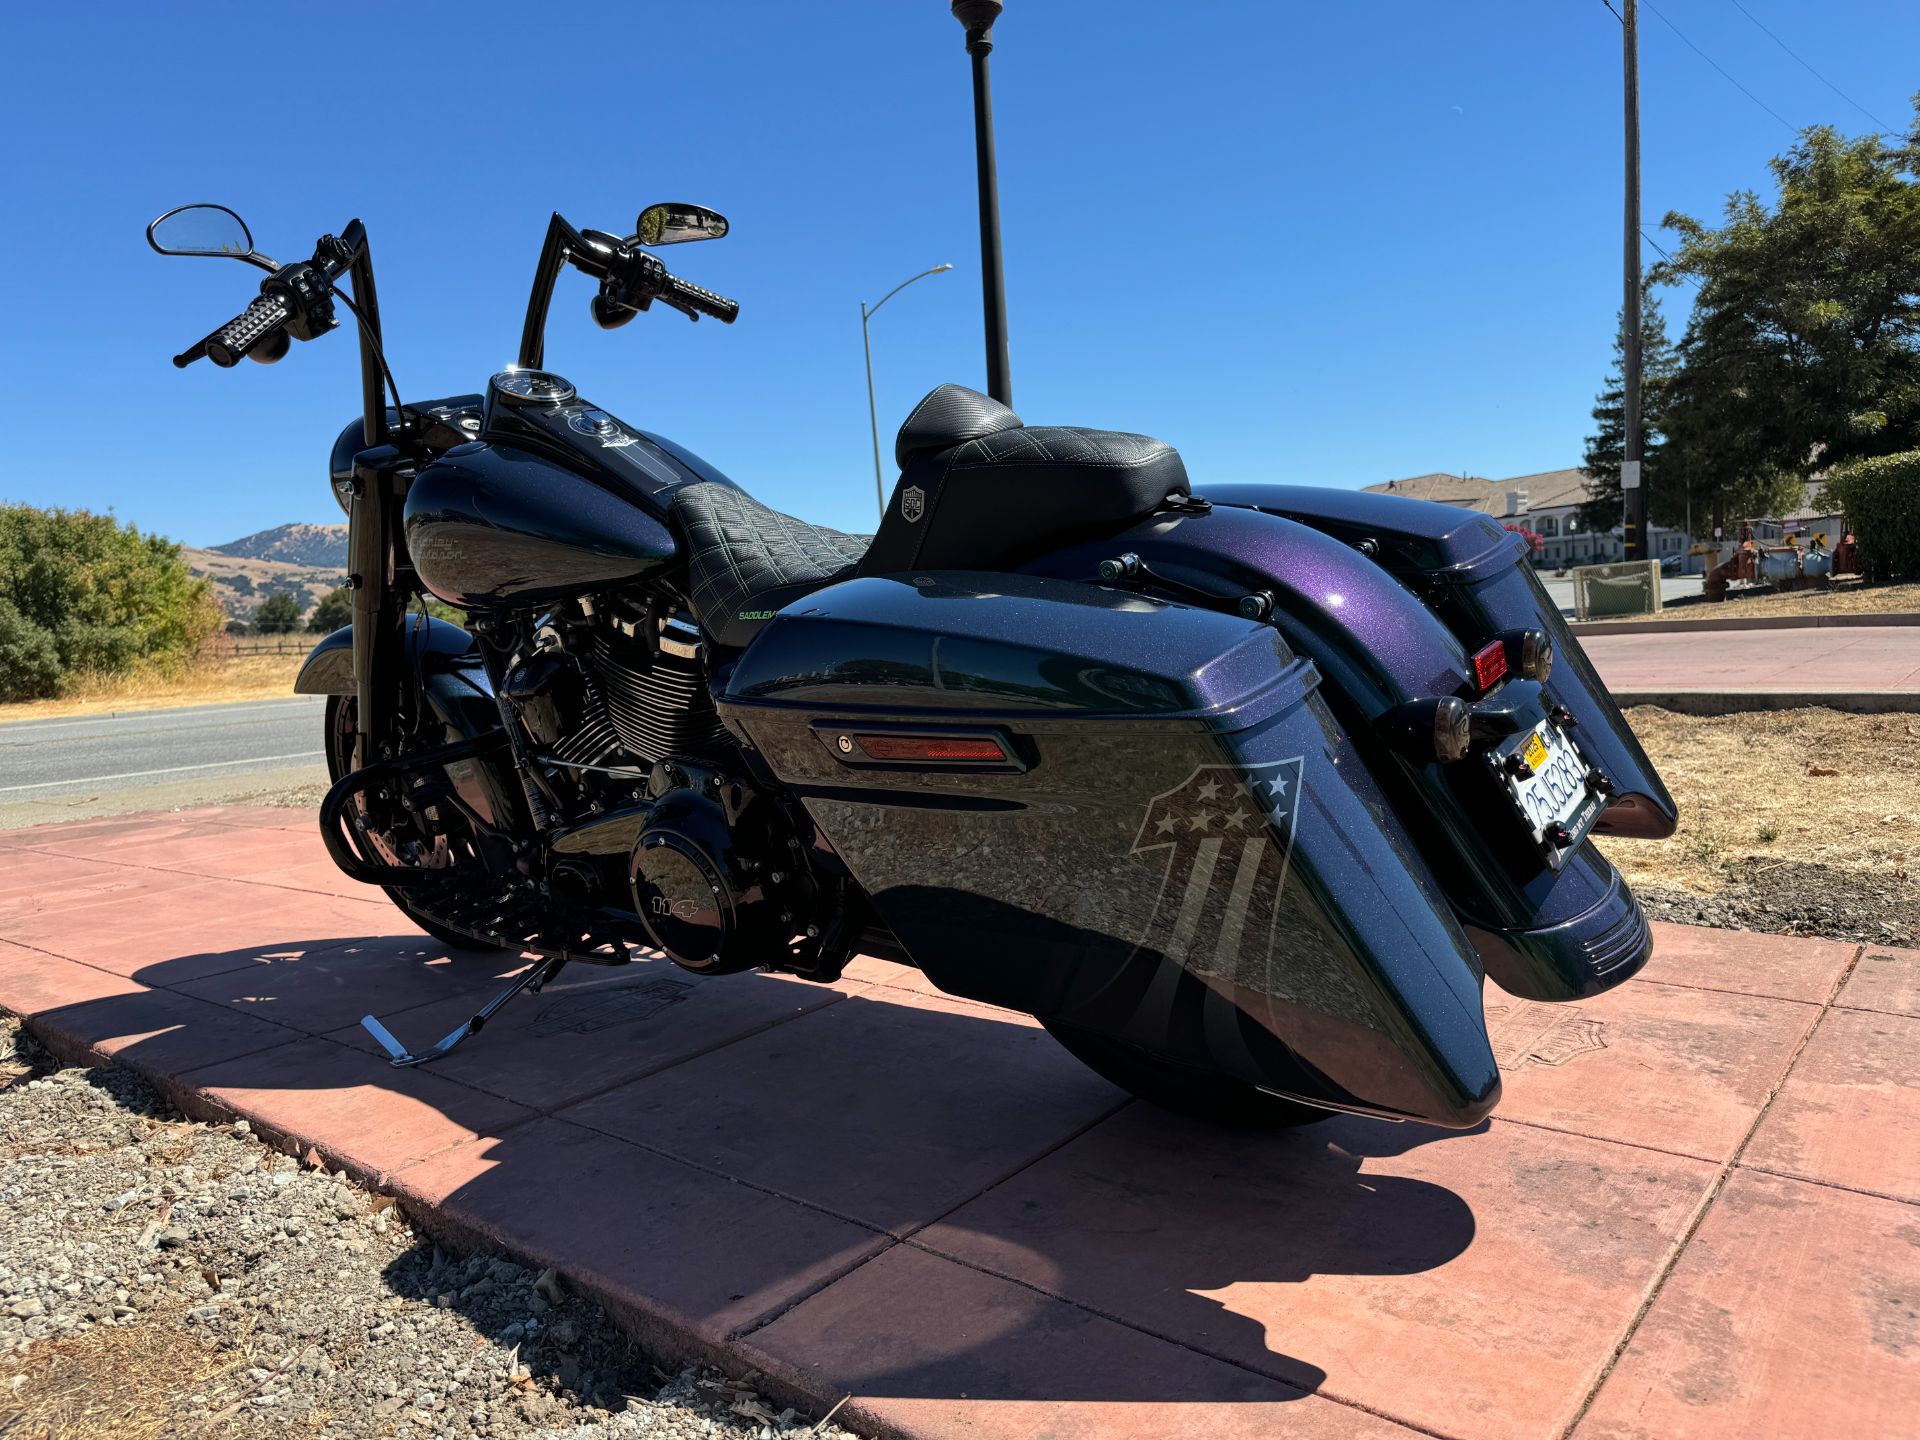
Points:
[(1556, 792)]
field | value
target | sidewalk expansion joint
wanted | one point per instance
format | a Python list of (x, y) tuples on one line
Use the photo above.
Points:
[(1718, 1184)]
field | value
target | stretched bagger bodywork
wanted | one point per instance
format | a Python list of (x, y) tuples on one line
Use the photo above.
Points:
[(1183, 849)]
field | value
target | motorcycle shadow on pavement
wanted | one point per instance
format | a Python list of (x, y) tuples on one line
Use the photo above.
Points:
[(876, 1184)]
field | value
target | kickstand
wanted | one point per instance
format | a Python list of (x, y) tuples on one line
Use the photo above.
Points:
[(535, 977)]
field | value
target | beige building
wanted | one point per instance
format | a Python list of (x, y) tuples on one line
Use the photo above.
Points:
[(1547, 504)]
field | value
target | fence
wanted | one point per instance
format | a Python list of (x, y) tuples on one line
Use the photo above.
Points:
[(234, 647)]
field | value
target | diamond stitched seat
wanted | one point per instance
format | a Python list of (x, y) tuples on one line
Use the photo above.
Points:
[(745, 559)]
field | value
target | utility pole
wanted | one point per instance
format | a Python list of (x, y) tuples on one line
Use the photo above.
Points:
[(1632, 492), (978, 17)]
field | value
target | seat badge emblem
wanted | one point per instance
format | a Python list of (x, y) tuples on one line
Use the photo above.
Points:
[(913, 504)]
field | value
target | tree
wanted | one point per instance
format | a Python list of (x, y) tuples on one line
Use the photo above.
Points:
[(107, 597), (334, 610), (1607, 446), (278, 614), (1803, 349)]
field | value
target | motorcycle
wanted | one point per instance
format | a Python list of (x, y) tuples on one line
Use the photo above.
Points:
[(1242, 792)]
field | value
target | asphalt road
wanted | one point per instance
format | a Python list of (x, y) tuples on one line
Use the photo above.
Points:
[(153, 759)]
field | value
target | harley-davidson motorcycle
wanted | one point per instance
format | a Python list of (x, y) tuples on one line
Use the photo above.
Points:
[(1243, 791)]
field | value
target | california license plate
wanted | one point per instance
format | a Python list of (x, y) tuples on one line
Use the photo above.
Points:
[(1551, 790)]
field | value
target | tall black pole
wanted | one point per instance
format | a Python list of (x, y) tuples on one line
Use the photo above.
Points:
[(1632, 491), (978, 17)]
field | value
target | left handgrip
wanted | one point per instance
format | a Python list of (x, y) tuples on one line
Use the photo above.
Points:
[(229, 345)]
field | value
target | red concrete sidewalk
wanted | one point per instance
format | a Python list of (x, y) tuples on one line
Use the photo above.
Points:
[(1864, 659), (1697, 1212)]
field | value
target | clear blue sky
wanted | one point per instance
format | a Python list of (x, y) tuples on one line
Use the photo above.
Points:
[(1322, 243)]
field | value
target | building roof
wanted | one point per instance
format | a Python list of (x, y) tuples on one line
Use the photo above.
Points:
[(1544, 490)]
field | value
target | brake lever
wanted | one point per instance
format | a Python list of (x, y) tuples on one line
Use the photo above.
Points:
[(188, 356)]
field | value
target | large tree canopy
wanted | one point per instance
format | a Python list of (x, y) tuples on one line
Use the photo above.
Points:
[(1803, 348), (1606, 447)]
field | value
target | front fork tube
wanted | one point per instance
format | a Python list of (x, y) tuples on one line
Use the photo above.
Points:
[(379, 609)]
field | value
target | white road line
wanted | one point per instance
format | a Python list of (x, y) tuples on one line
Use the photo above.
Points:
[(188, 713), (169, 770)]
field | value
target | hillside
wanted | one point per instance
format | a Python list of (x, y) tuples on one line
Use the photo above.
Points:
[(241, 582), (314, 546)]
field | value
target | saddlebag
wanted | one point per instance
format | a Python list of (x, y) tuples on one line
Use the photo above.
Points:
[(1132, 816)]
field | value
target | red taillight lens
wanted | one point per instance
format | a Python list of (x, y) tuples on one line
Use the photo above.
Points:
[(911, 748), (1490, 664)]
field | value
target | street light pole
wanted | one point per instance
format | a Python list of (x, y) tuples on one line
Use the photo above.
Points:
[(978, 17), (1632, 490), (867, 312)]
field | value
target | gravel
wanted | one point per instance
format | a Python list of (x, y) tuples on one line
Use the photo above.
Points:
[(159, 1276), (1789, 898)]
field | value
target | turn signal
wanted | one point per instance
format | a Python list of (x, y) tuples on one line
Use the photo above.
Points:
[(1452, 729), (1489, 664), (1536, 655)]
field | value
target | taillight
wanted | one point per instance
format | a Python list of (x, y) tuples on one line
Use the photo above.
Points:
[(1490, 664)]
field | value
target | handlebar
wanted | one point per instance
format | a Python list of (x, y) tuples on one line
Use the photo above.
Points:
[(685, 295), (236, 339)]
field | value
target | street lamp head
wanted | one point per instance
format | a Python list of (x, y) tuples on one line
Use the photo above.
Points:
[(978, 17), (938, 268)]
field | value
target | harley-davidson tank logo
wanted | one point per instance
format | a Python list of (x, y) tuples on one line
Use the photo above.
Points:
[(1230, 831), (913, 504), (1524, 1032)]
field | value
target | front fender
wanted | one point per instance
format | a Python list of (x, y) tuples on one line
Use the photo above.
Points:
[(436, 645)]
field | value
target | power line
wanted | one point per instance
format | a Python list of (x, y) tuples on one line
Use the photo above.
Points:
[(1723, 73), (1808, 68)]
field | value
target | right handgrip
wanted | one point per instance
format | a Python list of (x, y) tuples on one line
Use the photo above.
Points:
[(230, 344), (692, 297)]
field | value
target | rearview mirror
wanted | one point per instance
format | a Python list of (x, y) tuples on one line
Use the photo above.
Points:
[(675, 224), (201, 230)]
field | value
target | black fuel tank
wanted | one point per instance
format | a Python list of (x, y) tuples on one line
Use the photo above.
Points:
[(494, 525)]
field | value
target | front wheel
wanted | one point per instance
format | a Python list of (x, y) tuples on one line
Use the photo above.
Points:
[(341, 732), (1221, 1099)]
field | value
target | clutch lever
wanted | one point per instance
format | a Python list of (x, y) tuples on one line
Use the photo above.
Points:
[(192, 353)]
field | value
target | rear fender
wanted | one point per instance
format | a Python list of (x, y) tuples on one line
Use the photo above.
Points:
[(1477, 578)]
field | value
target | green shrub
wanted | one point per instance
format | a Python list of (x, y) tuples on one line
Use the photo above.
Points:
[(108, 598), (334, 610), (29, 661), (1881, 500), (278, 614)]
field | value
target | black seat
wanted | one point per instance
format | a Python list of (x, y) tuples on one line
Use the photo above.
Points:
[(746, 560), (978, 490)]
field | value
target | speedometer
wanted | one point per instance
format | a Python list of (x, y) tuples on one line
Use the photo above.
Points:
[(532, 387)]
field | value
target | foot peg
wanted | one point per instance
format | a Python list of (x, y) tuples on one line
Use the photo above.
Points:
[(535, 976)]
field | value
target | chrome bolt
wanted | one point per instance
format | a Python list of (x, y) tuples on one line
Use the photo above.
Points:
[(845, 744)]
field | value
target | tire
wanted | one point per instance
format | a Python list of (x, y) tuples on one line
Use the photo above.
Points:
[(340, 732), (1219, 1099)]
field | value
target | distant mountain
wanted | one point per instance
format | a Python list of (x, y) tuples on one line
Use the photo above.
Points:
[(306, 561), (319, 546)]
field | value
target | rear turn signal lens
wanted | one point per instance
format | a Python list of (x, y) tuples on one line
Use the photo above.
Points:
[(1536, 655), (1452, 729), (931, 748), (1489, 664)]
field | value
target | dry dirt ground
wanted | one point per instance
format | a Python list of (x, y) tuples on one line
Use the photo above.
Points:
[(246, 677), (1852, 600), (1802, 821), (165, 1278)]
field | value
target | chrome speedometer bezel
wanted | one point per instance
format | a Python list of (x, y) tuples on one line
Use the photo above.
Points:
[(516, 386)]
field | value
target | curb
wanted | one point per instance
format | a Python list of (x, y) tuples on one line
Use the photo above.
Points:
[(1746, 702), (1742, 622)]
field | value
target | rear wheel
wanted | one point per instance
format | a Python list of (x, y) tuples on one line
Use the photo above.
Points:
[(341, 733), (1220, 1099)]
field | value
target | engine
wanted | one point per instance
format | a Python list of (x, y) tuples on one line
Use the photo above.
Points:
[(654, 822)]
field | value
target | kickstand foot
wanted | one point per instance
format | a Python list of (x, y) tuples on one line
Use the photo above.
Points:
[(534, 978)]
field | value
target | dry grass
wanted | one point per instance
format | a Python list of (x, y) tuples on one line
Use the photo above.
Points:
[(1810, 786), (246, 677), (1851, 600), (119, 1380)]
